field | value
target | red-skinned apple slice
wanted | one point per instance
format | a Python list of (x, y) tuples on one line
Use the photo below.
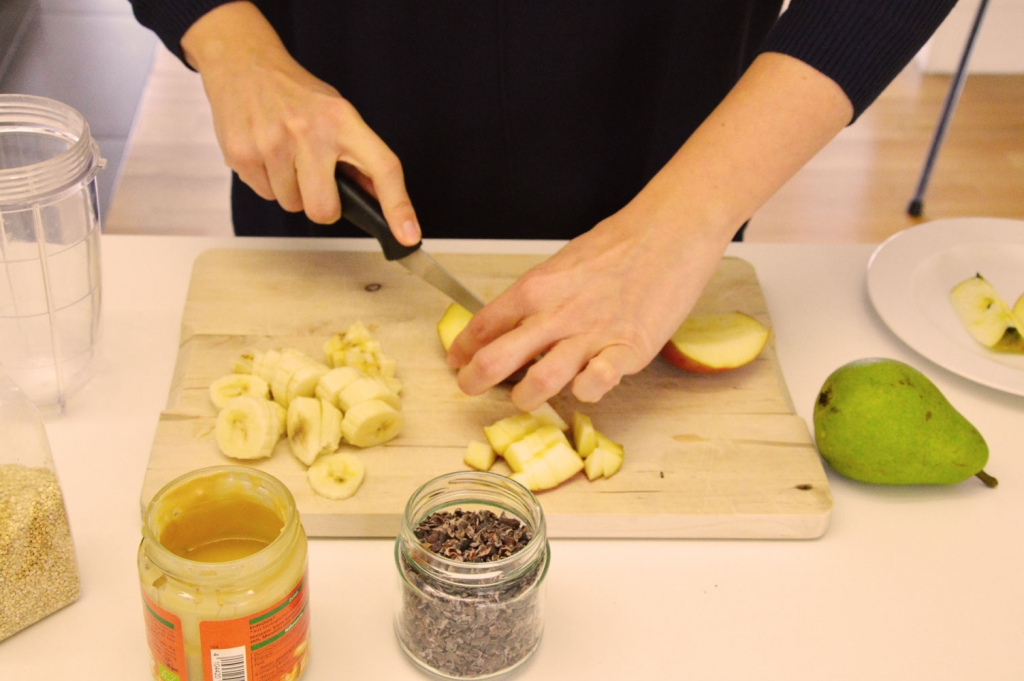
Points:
[(713, 343)]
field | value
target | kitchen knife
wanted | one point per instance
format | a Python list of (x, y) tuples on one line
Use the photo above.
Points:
[(363, 211)]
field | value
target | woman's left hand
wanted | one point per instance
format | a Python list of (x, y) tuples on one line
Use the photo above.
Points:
[(599, 309)]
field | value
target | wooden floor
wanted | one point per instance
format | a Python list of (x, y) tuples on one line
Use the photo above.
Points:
[(856, 190)]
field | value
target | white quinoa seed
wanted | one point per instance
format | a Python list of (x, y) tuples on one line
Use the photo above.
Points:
[(38, 571)]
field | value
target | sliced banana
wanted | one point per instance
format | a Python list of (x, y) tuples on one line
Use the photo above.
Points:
[(364, 389), (243, 363), (334, 381), (264, 364), (357, 348), (281, 414), (330, 427), (226, 388), (304, 380), (371, 423), (247, 428), (336, 476), (304, 426)]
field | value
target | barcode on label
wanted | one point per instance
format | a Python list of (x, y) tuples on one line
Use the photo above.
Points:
[(229, 664)]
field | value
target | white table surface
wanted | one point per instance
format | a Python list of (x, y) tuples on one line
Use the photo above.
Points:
[(907, 583)]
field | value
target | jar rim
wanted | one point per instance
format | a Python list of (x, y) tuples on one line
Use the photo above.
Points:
[(253, 565), (78, 164), (465, 488)]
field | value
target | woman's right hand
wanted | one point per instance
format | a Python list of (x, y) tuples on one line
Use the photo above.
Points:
[(282, 129)]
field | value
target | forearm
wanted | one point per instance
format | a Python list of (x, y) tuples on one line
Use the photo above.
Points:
[(779, 115), (235, 30)]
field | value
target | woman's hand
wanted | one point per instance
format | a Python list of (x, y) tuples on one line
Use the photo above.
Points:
[(604, 306), (282, 129), (599, 309)]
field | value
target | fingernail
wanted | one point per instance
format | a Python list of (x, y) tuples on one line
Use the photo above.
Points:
[(410, 232)]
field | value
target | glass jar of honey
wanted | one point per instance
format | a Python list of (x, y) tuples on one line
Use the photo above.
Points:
[(223, 570)]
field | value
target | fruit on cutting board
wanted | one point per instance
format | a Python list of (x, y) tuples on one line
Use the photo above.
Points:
[(986, 316), (479, 455), (713, 343), (451, 324), (882, 421), (536, 447), (549, 467), (283, 392), (371, 423), (336, 476), (357, 348), (313, 427), (604, 460), (249, 427), (226, 388)]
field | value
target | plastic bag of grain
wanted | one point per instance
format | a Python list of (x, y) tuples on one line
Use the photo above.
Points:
[(38, 570)]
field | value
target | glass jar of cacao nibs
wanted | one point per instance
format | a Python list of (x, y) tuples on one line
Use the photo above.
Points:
[(472, 554)]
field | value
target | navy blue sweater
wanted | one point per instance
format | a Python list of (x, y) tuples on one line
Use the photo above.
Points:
[(538, 118)]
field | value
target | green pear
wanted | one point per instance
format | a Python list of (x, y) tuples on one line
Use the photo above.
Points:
[(882, 421)]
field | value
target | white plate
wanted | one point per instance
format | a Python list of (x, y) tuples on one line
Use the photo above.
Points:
[(911, 274)]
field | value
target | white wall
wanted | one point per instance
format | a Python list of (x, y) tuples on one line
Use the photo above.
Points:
[(999, 47)]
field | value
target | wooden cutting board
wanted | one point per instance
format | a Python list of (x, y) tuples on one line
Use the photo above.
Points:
[(706, 455)]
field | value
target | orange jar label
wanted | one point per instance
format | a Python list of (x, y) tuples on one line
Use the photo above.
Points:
[(272, 645), (166, 643)]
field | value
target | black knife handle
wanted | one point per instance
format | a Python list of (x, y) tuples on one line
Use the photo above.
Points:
[(363, 211)]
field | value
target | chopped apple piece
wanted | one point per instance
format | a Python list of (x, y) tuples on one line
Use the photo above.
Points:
[(563, 460), (609, 446), (451, 324), (612, 462), (593, 466), (545, 413), (532, 445), (479, 455), (583, 434), (986, 316), (713, 343), (506, 431)]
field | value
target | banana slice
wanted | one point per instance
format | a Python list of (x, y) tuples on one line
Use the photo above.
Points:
[(330, 427), (334, 381), (304, 428), (364, 389), (247, 428), (304, 380), (281, 414), (226, 388), (370, 423), (336, 476), (243, 363), (291, 370), (357, 348), (264, 364)]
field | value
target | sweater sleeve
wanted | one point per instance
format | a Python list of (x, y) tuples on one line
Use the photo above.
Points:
[(860, 44), (170, 20)]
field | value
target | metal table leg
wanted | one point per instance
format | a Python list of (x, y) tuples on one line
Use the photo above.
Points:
[(916, 206)]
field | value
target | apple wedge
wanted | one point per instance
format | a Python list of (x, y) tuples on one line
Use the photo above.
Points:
[(985, 316), (451, 324), (713, 343)]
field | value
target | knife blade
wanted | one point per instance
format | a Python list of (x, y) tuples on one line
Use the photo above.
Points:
[(363, 211)]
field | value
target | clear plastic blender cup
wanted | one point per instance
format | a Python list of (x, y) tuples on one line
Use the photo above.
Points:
[(49, 247)]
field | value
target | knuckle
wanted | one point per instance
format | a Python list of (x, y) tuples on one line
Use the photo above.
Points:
[(545, 378)]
